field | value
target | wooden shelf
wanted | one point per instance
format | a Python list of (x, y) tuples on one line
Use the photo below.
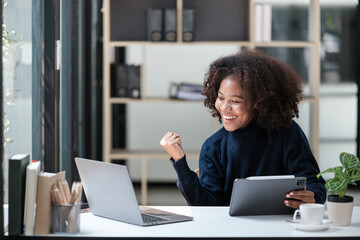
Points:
[(285, 44), (219, 23), (149, 43), (310, 99), (114, 100)]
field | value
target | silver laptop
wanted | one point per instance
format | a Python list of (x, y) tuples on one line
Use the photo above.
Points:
[(110, 194)]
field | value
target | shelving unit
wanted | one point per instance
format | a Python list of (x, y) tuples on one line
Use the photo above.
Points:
[(211, 17)]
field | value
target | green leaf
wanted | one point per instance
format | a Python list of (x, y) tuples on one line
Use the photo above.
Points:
[(349, 160), (354, 161), (336, 185), (338, 172), (344, 159), (331, 170), (355, 176)]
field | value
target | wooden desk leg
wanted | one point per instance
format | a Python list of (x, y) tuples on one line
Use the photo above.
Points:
[(144, 181)]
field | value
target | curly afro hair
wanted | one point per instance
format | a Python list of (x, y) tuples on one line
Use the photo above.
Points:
[(274, 88)]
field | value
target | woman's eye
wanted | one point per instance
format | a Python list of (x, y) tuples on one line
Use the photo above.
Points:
[(221, 98)]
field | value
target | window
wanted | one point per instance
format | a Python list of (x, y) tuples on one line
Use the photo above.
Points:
[(17, 80)]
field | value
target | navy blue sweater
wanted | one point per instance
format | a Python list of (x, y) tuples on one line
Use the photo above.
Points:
[(246, 152)]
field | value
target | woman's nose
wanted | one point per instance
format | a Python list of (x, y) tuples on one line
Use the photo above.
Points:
[(226, 105)]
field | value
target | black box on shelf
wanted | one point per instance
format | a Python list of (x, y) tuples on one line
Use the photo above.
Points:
[(125, 81), (133, 81), (170, 24), (118, 79), (189, 24), (155, 24)]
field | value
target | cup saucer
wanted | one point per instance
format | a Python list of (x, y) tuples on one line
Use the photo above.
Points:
[(325, 225)]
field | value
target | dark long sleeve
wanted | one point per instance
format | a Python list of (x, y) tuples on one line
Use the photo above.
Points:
[(301, 162), (226, 156)]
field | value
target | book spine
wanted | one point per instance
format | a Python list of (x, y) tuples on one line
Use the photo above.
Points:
[(17, 177), (133, 81), (173, 90), (119, 126), (186, 91), (267, 17), (119, 79), (258, 22), (170, 25), (32, 171), (191, 87), (189, 20), (154, 24)]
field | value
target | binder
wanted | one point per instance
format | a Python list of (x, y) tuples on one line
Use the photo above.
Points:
[(267, 18), (118, 76), (170, 25), (186, 91), (189, 21), (17, 176), (119, 126), (133, 81), (258, 22), (154, 24), (32, 172)]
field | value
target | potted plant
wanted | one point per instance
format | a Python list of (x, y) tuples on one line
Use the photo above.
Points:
[(339, 204)]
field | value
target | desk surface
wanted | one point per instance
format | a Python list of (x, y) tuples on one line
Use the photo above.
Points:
[(213, 222)]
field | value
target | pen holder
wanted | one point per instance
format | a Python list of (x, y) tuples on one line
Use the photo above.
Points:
[(65, 218)]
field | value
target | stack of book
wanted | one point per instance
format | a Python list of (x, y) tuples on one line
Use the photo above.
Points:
[(30, 196), (186, 91)]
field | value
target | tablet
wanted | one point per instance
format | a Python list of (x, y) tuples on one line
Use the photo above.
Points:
[(263, 195)]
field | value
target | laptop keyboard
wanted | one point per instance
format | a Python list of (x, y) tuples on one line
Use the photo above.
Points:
[(150, 218)]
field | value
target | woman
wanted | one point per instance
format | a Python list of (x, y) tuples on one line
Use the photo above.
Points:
[(255, 97)]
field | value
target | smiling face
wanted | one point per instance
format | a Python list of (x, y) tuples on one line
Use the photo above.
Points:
[(231, 106)]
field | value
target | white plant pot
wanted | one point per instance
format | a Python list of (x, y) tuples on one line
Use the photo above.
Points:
[(340, 210)]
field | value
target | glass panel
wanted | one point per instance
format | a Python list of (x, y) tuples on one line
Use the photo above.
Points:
[(289, 19), (17, 70), (338, 41), (338, 89), (297, 58)]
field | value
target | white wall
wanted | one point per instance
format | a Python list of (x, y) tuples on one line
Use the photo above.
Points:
[(147, 122), (338, 122)]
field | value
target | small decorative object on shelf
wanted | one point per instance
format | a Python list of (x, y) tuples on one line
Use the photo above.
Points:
[(125, 81)]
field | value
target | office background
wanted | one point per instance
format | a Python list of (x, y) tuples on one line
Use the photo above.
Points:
[(52, 97)]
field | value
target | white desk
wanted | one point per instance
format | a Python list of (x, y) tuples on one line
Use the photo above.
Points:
[(212, 222)]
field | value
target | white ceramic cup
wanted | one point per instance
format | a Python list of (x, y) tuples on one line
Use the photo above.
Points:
[(310, 213)]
